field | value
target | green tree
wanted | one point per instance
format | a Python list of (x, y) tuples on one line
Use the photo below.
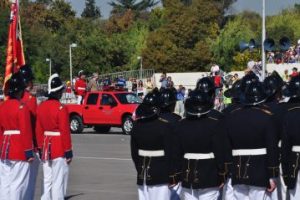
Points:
[(46, 2), (121, 6), (91, 10), (182, 43), (241, 28)]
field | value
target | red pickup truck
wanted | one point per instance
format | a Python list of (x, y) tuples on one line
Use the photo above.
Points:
[(102, 110)]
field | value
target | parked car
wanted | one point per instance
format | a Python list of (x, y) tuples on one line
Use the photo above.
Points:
[(103, 110)]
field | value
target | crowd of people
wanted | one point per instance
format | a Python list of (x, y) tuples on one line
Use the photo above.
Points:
[(81, 85), (250, 150), (292, 55), (32, 135)]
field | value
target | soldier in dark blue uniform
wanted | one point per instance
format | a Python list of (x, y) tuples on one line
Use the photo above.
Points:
[(273, 86), (151, 150), (167, 99), (290, 151), (253, 146), (200, 146), (236, 93)]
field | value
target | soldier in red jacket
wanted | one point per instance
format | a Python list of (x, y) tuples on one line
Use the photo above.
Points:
[(80, 87), (54, 140), (31, 102), (16, 147)]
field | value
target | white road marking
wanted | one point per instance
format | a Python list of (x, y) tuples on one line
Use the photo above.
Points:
[(102, 158)]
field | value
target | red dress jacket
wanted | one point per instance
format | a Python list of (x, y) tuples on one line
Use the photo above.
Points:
[(53, 130), (80, 87), (15, 131), (31, 102)]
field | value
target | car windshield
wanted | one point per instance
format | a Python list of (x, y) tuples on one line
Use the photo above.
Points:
[(128, 98)]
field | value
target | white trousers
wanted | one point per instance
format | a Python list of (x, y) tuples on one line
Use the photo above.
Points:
[(14, 179), (54, 179), (228, 191), (199, 194), (34, 169), (154, 192), (79, 99), (176, 191), (282, 187), (242, 192), (295, 193)]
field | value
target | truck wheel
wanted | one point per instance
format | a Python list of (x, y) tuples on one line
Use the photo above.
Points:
[(76, 124), (127, 125), (102, 129)]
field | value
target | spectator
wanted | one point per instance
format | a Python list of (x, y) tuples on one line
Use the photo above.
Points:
[(214, 68), (106, 83), (140, 89), (134, 85), (294, 72), (163, 80), (121, 82), (278, 57), (285, 76), (149, 85), (93, 83), (270, 57), (68, 92), (219, 104), (234, 78), (218, 80), (170, 83), (179, 109), (226, 100)]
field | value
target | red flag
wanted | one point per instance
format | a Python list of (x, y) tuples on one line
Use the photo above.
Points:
[(14, 53)]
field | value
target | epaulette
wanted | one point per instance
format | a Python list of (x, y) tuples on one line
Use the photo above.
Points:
[(163, 120), (264, 110), (294, 108)]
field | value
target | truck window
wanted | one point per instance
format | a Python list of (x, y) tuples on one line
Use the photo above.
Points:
[(107, 99), (92, 99)]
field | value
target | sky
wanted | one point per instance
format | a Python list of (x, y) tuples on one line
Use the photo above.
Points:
[(272, 6)]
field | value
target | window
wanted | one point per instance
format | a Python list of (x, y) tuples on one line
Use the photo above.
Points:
[(92, 99), (107, 99), (128, 98)]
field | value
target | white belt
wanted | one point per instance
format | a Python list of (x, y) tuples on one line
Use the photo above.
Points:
[(11, 132), (296, 149), (81, 88), (199, 156), (52, 133), (149, 153), (249, 152)]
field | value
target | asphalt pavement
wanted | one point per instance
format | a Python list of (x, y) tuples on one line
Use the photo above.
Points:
[(102, 168)]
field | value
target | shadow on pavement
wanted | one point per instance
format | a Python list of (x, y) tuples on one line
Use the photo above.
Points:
[(74, 195)]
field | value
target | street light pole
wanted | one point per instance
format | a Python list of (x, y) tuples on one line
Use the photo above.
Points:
[(50, 65), (263, 53), (73, 45), (141, 66)]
